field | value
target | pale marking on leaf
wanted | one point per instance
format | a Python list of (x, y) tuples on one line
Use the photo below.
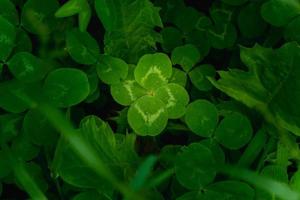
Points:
[(154, 70), (39, 16), (109, 69), (28, 68), (128, 86), (149, 118), (4, 39), (171, 100)]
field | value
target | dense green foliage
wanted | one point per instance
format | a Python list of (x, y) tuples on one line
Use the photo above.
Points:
[(150, 99)]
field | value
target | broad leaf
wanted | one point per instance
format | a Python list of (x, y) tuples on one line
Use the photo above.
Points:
[(28, 68), (111, 70), (23, 42), (195, 166), (14, 99), (186, 56), (175, 97), (223, 33), (280, 12), (171, 38), (199, 76), (153, 70), (179, 77), (201, 117), (234, 131), (230, 189), (235, 2), (9, 127), (215, 148), (82, 47), (148, 116), (9, 11), (38, 129), (38, 18), (92, 194), (271, 84), (129, 26), (292, 31), (66, 87), (127, 92), (117, 153), (223, 190), (187, 20), (250, 23), (7, 38)]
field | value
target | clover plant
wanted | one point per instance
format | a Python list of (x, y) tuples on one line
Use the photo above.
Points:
[(149, 99)]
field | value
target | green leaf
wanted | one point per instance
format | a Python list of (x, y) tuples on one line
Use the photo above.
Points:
[(143, 172), (229, 189), (38, 129), (36, 173), (93, 80), (114, 150), (38, 18), (73, 171), (5, 165), (23, 42), (70, 8), (23, 147), (9, 12), (153, 70), (223, 190), (148, 116), (200, 39), (187, 20), (111, 70), (126, 92), (80, 7), (13, 98), (234, 131), (215, 149), (254, 148), (276, 172), (85, 17), (9, 127), (295, 181), (82, 47), (199, 76), (195, 166), (129, 26), (168, 155), (171, 38), (280, 12), (201, 117), (292, 31), (250, 23), (28, 68), (235, 2), (66, 87), (267, 86), (222, 36), (7, 38), (87, 195), (179, 77), (175, 97), (186, 56)]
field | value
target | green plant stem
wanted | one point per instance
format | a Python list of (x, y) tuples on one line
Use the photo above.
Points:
[(24, 178), (277, 189)]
